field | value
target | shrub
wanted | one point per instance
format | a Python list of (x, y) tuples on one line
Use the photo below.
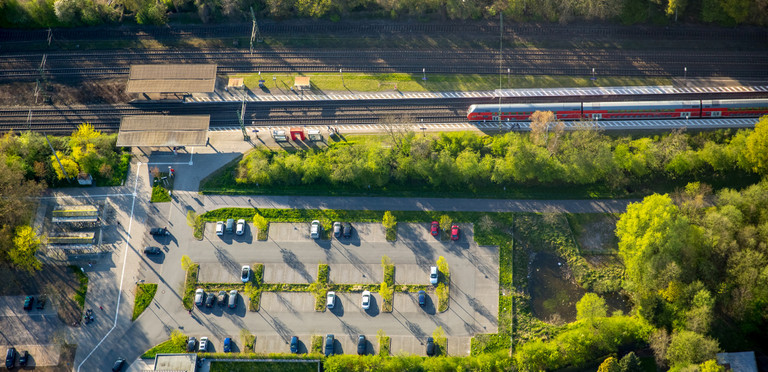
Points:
[(323, 273), (390, 224), (248, 340), (384, 342), (443, 285), (159, 195), (440, 341), (317, 344), (387, 295), (189, 286), (197, 224), (262, 226), (445, 227)]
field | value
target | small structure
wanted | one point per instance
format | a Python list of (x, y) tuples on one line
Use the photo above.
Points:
[(175, 362), (297, 134), (72, 240), (279, 136), (163, 130), (314, 135), (302, 83), (235, 83), (84, 179), (76, 214), (740, 362), (172, 78)]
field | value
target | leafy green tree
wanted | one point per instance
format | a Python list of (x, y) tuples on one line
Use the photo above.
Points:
[(699, 317), (711, 366), (260, 222), (675, 6), (25, 245), (186, 262), (610, 364), (686, 347), (389, 220), (445, 222), (630, 363), (757, 147), (590, 306), (67, 11)]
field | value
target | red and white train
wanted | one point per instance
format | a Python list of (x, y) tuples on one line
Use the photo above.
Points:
[(730, 108)]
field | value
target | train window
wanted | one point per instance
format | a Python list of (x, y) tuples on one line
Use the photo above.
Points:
[(685, 114), (597, 116), (716, 114)]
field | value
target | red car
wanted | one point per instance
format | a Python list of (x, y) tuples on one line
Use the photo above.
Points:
[(454, 232), (435, 228)]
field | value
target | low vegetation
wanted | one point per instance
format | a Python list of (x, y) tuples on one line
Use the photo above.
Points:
[(248, 339), (404, 362), (316, 344), (441, 342), (145, 293), (81, 290), (255, 287), (390, 225), (384, 343), (262, 366), (175, 345), (190, 284), (159, 194), (321, 286), (387, 287), (443, 284), (262, 226), (196, 223)]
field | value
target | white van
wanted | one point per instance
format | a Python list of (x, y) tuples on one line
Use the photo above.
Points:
[(314, 230)]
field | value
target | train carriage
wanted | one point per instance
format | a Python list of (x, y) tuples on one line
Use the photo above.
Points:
[(734, 108), (522, 111), (642, 110)]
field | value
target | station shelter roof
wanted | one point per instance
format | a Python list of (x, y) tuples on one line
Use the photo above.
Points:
[(172, 78), (163, 130)]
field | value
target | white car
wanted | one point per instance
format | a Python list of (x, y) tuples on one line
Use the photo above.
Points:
[(240, 230), (433, 275), (199, 297), (330, 299), (245, 274), (220, 228), (366, 300), (203, 344), (314, 230)]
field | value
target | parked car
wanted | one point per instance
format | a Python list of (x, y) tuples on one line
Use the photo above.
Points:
[(330, 299), (209, 298), (454, 232), (347, 229), (294, 345), (328, 345), (240, 230), (366, 303), (203, 345), (245, 273), (422, 298), (199, 297), (361, 345), (230, 225), (221, 298), (191, 343), (10, 358), (233, 299), (23, 358), (219, 228), (152, 250), (227, 345), (159, 231), (118, 366), (337, 229), (433, 275), (435, 229), (430, 346), (28, 301), (314, 229)]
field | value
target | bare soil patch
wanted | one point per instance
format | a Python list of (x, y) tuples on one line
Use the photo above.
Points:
[(595, 233), (107, 91), (57, 283)]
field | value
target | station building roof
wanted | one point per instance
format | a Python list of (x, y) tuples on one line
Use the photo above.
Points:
[(163, 130), (172, 78)]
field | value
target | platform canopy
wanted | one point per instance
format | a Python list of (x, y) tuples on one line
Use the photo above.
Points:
[(177, 78), (163, 130)]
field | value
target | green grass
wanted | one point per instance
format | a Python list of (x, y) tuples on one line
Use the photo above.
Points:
[(361, 82), (255, 287), (288, 366), (316, 346), (159, 195), (190, 284), (81, 291), (144, 295), (384, 345), (176, 344)]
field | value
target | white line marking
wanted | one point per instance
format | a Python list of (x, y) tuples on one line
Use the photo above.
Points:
[(122, 274)]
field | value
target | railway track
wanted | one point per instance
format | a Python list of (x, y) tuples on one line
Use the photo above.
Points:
[(98, 65)]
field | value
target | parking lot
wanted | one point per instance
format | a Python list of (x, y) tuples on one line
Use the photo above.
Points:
[(290, 256)]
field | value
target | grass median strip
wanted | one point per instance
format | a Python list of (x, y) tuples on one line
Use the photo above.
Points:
[(82, 290), (444, 285), (317, 344), (190, 284), (175, 345), (145, 293)]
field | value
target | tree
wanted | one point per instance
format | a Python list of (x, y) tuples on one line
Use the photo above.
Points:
[(630, 363), (653, 238), (699, 317), (25, 245), (610, 364), (445, 222), (67, 11), (686, 347), (757, 147), (589, 307), (70, 166), (675, 6), (541, 121), (260, 222), (389, 220), (186, 262), (659, 343), (711, 366)]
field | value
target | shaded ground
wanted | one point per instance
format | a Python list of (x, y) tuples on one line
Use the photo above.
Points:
[(595, 233), (553, 292), (76, 92), (57, 283)]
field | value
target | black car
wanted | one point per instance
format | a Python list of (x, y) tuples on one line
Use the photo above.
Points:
[(422, 298), (23, 358), (28, 301), (209, 299), (430, 346), (191, 344), (118, 366), (295, 345), (159, 231), (10, 358), (328, 345), (361, 345), (152, 250), (347, 229)]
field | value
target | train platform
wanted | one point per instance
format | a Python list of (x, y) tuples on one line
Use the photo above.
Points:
[(237, 95)]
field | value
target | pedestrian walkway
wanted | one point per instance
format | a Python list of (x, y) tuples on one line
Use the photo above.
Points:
[(235, 95)]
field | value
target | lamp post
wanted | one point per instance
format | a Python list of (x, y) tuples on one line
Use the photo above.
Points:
[(424, 74), (508, 78), (342, 78), (593, 74), (685, 75)]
